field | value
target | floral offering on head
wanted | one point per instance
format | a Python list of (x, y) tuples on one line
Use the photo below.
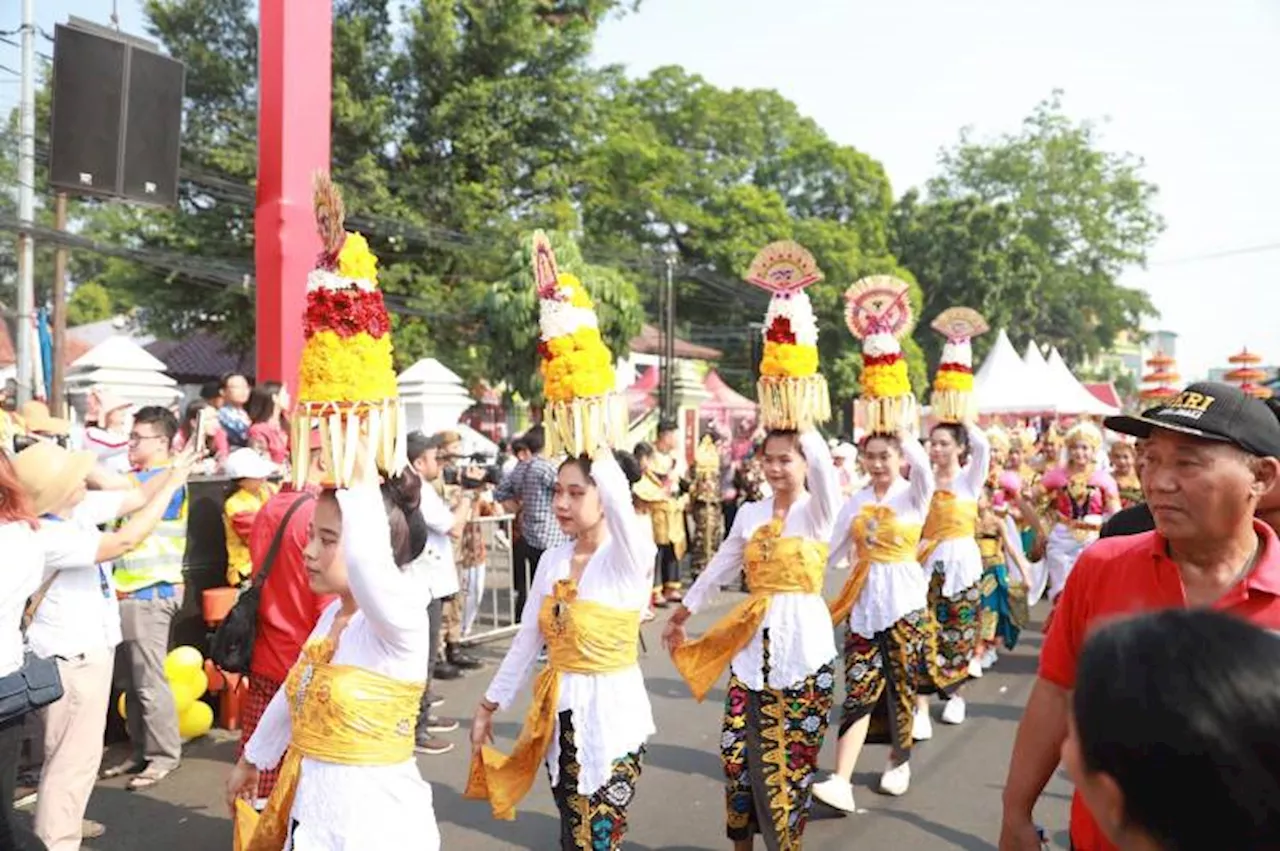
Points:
[(791, 391), (577, 368), (878, 312), (346, 378), (953, 384)]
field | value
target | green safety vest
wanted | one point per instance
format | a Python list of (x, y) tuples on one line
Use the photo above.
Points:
[(158, 559)]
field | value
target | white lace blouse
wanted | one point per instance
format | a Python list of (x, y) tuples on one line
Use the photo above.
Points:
[(611, 712), (800, 636), (959, 558), (897, 589), (342, 807)]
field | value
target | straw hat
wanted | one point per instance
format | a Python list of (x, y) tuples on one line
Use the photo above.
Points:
[(50, 474), (39, 421)]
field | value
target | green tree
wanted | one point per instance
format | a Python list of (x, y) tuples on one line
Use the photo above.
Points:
[(89, 302), (1035, 227), (511, 312)]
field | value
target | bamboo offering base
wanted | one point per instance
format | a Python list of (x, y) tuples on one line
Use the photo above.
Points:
[(793, 404), (954, 406), (374, 431), (582, 426), (889, 415)]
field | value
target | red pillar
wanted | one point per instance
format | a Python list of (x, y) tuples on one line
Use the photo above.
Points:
[(294, 96)]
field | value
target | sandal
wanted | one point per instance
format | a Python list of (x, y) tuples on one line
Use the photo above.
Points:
[(147, 779)]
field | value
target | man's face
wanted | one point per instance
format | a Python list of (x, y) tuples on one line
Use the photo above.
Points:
[(450, 454), (1197, 488), (147, 444), (428, 465), (237, 390)]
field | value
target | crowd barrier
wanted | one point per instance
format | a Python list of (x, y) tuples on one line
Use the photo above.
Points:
[(489, 593)]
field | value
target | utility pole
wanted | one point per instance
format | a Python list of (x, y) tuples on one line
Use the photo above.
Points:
[(668, 319), (26, 203), (57, 394)]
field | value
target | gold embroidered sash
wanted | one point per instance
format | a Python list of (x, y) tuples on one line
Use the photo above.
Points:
[(879, 537), (950, 519), (340, 714), (773, 565), (583, 637)]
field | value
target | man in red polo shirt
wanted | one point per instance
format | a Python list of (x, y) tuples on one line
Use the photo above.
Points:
[(1211, 457)]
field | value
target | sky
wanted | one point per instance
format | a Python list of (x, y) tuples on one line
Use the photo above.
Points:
[(1188, 85)]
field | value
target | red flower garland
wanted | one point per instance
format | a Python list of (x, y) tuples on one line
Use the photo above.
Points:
[(955, 367), (881, 360), (346, 312), (780, 331)]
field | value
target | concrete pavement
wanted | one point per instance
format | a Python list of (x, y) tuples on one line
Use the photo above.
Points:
[(954, 801)]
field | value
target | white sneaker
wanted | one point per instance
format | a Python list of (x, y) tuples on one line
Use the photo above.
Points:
[(990, 658), (896, 780), (837, 793), (975, 668), (922, 726), (953, 711)]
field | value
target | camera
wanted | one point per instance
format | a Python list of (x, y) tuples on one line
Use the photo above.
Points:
[(459, 475)]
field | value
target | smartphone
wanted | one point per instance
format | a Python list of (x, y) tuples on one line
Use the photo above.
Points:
[(205, 421)]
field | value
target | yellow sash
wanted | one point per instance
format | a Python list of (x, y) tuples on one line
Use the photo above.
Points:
[(991, 548), (949, 519), (880, 537), (583, 637), (773, 565), (340, 714)]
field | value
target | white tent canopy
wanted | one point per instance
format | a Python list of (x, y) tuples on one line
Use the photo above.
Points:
[(1003, 384), (1074, 397)]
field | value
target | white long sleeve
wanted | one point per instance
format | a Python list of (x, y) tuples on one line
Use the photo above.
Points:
[(635, 551), (841, 548), (920, 475), (271, 737), (823, 482), (979, 467), (394, 604), (725, 564), (522, 655)]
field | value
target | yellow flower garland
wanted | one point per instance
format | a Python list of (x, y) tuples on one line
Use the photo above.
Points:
[(948, 379), (356, 261), (346, 370), (580, 366), (788, 360), (887, 380)]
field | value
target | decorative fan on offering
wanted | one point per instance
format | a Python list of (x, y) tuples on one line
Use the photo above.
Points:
[(878, 312), (952, 400)]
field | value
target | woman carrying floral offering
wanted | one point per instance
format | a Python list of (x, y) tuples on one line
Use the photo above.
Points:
[(949, 550), (590, 714), (777, 644), (889, 645), (341, 728), (1082, 497)]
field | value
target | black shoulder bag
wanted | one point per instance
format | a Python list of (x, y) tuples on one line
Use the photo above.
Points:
[(37, 683), (232, 645)]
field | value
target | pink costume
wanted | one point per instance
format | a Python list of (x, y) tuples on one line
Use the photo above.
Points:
[(1081, 504)]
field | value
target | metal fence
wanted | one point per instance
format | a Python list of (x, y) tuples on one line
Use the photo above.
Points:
[(489, 590)]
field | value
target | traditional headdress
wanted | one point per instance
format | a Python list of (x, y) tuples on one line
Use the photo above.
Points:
[(346, 380), (582, 411), (953, 384), (706, 458), (998, 438), (1084, 431), (1026, 437), (792, 393), (878, 312)]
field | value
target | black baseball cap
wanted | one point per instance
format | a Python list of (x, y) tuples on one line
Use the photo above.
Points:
[(1212, 411)]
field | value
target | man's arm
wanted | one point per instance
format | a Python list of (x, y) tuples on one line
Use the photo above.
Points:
[(1036, 752)]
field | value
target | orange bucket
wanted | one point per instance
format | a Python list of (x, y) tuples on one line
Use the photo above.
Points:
[(217, 602)]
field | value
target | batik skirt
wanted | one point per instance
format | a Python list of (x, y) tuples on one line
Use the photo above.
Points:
[(1004, 606), (769, 746), (595, 822), (959, 621), (889, 667)]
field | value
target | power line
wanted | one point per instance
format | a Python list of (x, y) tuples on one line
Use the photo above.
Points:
[(1215, 255)]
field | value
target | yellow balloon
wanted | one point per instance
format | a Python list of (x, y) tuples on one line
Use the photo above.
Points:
[(197, 682), (184, 694), (181, 660), (120, 704), (196, 720)]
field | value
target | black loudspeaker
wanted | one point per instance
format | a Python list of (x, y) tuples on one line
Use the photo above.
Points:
[(117, 118)]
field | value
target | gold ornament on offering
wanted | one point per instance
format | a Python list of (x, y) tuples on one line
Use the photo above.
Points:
[(791, 391)]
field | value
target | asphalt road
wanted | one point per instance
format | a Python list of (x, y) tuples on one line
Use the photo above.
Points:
[(954, 800)]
